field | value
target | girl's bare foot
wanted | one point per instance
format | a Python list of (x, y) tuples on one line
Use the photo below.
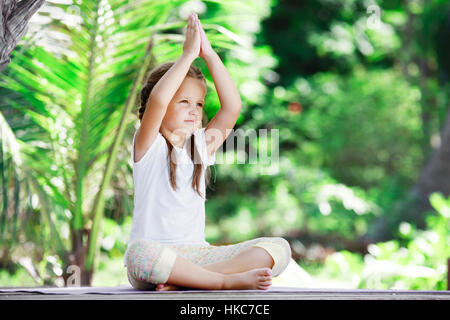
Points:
[(167, 287), (255, 279)]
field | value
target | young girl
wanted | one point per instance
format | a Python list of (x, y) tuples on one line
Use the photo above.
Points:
[(167, 248)]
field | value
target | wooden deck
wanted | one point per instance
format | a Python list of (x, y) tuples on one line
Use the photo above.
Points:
[(274, 293)]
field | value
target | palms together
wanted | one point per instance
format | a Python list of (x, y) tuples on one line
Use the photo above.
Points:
[(192, 44), (196, 41), (205, 48)]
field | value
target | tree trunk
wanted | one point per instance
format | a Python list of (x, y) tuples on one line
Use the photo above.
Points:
[(14, 17), (74, 271), (435, 177)]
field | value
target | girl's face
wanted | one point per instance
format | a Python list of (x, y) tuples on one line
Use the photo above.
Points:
[(184, 112)]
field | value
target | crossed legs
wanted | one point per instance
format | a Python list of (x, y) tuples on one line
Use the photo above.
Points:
[(245, 265), (184, 273)]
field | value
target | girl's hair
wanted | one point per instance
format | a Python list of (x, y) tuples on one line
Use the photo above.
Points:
[(156, 74)]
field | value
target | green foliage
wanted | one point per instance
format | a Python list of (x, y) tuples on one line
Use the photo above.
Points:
[(110, 272), (360, 137), (20, 278), (115, 237), (348, 122), (418, 264)]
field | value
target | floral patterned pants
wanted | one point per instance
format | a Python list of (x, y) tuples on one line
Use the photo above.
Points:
[(149, 262)]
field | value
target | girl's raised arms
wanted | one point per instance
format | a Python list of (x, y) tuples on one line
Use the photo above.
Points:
[(164, 90), (220, 126)]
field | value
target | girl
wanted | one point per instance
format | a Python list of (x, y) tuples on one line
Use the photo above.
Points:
[(171, 151)]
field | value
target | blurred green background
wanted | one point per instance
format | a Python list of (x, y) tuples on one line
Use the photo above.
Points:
[(357, 89)]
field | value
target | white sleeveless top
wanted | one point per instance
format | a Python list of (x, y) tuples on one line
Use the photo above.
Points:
[(160, 213)]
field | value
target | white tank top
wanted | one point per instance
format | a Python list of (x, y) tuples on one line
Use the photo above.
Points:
[(160, 213)]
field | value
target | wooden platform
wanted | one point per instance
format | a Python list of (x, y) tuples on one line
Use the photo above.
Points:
[(274, 293)]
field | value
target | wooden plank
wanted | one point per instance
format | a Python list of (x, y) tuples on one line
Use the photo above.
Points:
[(298, 294)]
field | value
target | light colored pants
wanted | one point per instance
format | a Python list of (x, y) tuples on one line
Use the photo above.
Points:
[(150, 262)]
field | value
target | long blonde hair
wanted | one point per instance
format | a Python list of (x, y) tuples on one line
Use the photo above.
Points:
[(155, 75)]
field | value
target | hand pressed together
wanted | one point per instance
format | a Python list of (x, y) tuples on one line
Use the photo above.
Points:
[(192, 42), (196, 43), (205, 48)]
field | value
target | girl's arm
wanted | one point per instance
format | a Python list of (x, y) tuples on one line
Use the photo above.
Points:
[(230, 100), (165, 88)]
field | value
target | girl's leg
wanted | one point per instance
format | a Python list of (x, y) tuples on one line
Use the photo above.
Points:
[(149, 263), (271, 252), (187, 274), (190, 252), (247, 259)]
